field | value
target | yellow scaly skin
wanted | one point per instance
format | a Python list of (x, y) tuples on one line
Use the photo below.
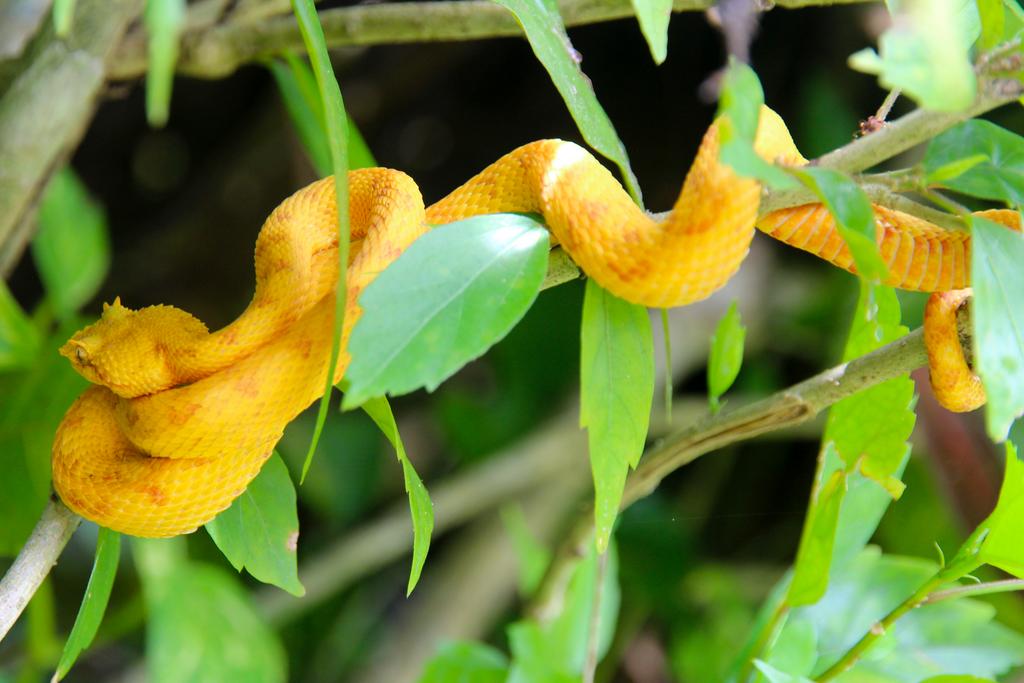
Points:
[(181, 419)]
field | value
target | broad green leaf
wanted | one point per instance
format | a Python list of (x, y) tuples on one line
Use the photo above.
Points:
[(71, 249), (336, 124), (465, 662), (94, 602), (957, 678), (817, 543), (420, 507), (260, 531), (996, 255), (555, 652), (201, 626), (164, 20), (301, 98), (451, 295), (616, 391), (999, 172), (546, 32), (773, 675), (866, 439), (925, 53), (949, 637), (726, 355), (19, 339), (32, 404), (739, 109), (795, 650), (854, 216), (654, 16), (1002, 545), (533, 556), (63, 14), (991, 14)]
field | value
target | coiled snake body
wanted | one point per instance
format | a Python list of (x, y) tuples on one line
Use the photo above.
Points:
[(181, 419)]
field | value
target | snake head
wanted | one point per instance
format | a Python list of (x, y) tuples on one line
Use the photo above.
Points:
[(130, 351)]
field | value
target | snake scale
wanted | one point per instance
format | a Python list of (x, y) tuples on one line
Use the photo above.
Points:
[(180, 419)]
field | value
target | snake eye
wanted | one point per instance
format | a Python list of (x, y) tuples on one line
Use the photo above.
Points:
[(81, 355)]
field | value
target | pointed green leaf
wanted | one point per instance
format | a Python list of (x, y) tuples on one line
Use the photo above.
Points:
[(866, 439), (71, 249), (63, 14), (336, 124), (546, 32), (996, 255), (260, 531), (420, 507), (990, 160), (773, 675), (164, 20), (447, 299), (925, 53), (463, 662), (616, 390), (1002, 546), (726, 357), (94, 602), (855, 218), (295, 80), (19, 339), (739, 109), (654, 16), (201, 625)]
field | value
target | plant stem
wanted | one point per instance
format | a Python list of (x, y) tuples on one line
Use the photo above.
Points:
[(976, 589), (248, 36), (594, 623), (785, 408), (34, 562)]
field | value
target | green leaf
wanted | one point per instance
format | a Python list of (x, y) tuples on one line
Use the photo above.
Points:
[(949, 637), (957, 678), (855, 218), (795, 650), (555, 652), (991, 14), (773, 675), (817, 543), (297, 84), (336, 124), (616, 391), (739, 109), (866, 439), (94, 602), (260, 531), (71, 249), (533, 556), (726, 357), (164, 20), (925, 53), (465, 662), (32, 404), (1004, 528), (654, 16), (420, 507), (451, 295), (998, 174), (19, 339), (201, 625), (546, 32), (63, 14), (996, 255)]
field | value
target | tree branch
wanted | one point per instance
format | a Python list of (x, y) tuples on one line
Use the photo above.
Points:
[(47, 108), (34, 562), (786, 408), (218, 51)]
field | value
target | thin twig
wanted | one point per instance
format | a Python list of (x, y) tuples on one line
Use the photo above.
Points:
[(34, 562), (785, 408), (594, 622), (217, 52), (976, 589)]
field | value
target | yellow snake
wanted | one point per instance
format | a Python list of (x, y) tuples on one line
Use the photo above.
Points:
[(181, 419)]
